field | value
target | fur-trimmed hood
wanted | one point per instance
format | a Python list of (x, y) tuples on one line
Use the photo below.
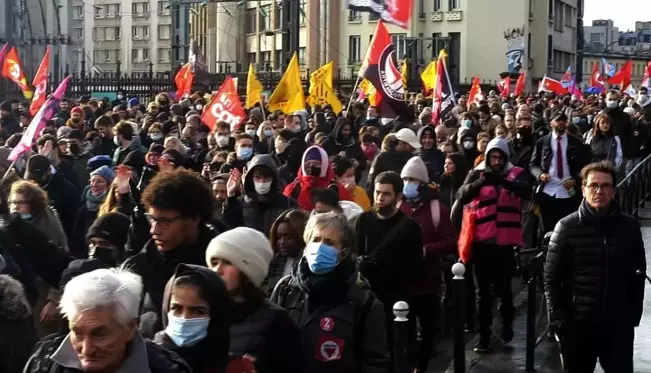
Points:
[(13, 302)]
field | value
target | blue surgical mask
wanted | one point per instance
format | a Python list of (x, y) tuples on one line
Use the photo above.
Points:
[(245, 153), (26, 217), (410, 190), (467, 123), (321, 258), (186, 332), (267, 133)]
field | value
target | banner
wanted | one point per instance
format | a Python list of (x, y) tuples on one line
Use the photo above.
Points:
[(12, 69), (40, 83), (288, 96), (225, 106), (392, 11)]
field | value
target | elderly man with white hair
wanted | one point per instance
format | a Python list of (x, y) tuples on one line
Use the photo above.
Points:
[(102, 310)]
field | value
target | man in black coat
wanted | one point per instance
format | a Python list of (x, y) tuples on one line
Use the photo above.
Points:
[(557, 171), (594, 278)]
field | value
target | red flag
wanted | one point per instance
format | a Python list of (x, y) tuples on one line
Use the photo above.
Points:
[(646, 80), (380, 67), (183, 80), (595, 78), (40, 83), (623, 76), (519, 84), (393, 11), (504, 86), (12, 69), (438, 92), (475, 91), (551, 85), (225, 106)]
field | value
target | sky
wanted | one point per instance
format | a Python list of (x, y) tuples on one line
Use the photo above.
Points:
[(623, 12)]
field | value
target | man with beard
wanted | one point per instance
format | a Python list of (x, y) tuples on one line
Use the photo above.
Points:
[(622, 127), (389, 246), (556, 163), (104, 144), (495, 190)]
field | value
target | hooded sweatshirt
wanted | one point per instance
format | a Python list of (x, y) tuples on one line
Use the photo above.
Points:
[(335, 143), (434, 158), (301, 188), (211, 353), (252, 209)]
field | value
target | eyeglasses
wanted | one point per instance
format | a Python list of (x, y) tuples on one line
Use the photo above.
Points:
[(164, 222), (594, 187)]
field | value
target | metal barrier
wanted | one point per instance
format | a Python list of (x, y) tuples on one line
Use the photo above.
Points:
[(401, 338), (634, 189), (458, 289)]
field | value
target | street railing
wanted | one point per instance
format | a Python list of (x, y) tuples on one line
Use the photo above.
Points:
[(634, 189)]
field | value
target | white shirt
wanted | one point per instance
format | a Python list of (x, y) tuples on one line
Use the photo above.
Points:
[(555, 186)]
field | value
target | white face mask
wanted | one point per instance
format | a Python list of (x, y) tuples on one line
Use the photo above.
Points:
[(611, 104), (222, 140), (468, 145), (116, 140), (199, 107), (262, 188), (251, 133), (641, 99)]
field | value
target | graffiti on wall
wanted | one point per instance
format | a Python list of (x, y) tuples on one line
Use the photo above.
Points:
[(514, 49)]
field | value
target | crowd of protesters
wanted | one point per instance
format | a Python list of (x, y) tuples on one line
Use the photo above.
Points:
[(282, 244)]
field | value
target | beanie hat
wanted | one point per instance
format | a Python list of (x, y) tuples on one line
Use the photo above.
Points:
[(99, 161), (106, 172), (6, 106), (415, 168), (78, 110), (112, 227), (134, 102), (63, 132), (245, 248), (313, 155)]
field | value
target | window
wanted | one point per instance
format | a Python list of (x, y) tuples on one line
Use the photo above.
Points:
[(134, 8), (145, 55), (145, 32), (301, 11), (398, 41), (569, 21), (110, 33), (301, 56), (251, 57), (108, 55), (437, 5), (78, 12), (437, 44), (354, 49), (164, 55), (265, 57), (135, 32), (134, 55), (145, 9), (117, 31), (354, 15), (595, 37), (551, 9), (98, 11), (550, 50), (278, 16), (113, 10), (558, 16), (250, 20), (99, 33), (421, 8), (164, 32), (162, 8), (419, 47), (454, 5), (278, 58), (265, 18), (373, 16), (98, 56), (79, 32)]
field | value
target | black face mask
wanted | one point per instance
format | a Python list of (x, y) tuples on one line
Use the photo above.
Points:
[(107, 255), (524, 132), (314, 171), (76, 120), (74, 149)]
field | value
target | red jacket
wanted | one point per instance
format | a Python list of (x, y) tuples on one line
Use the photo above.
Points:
[(437, 242)]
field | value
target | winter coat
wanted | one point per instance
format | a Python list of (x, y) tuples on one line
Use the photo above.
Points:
[(341, 323), (64, 198), (104, 146), (434, 159), (250, 209), (595, 269), (335, 144), (385, 161), (159, 359), (265, 331), (17, 333), (622, 127)]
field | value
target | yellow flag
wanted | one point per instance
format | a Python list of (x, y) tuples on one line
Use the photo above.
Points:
[(403, 73), (369, 91), (288, 96), (321, 91), (428, 76), (253, 88)]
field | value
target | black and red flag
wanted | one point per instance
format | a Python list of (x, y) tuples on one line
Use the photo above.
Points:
[(380, 67), (393, 11)]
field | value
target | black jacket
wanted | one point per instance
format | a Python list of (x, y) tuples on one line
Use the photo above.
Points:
[(434, 159), (263, 330), (249, 210), (622, 127), (335, 144), (578, 155), (160, 359), (18, 335), (355, 317), (385, 161), (65, 200), (595, 269), (104, 146)]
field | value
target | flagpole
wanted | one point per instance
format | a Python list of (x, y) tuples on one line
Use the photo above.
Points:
[(350, 101), (447, 76)]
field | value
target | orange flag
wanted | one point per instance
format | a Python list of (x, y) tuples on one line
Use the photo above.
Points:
[(184, 79), (12, 68), (519, 84), (40, 83), (475, 91)]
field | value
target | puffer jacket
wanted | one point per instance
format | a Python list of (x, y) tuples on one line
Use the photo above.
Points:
[(160, 360), (249, 209), (594, 271)]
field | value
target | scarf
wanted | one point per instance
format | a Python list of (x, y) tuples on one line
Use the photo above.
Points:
[(601, 223), (326, 287), (93, 202)]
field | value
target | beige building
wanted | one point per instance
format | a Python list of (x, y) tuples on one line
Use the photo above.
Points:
[(136, 33), (483, 38), (590, 60)]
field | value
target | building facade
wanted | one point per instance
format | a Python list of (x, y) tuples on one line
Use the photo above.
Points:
[(601, 34), (639, 61), (134, 33)]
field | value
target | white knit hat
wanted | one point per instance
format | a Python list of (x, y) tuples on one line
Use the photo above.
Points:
[(247, 249), (415, 168)]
